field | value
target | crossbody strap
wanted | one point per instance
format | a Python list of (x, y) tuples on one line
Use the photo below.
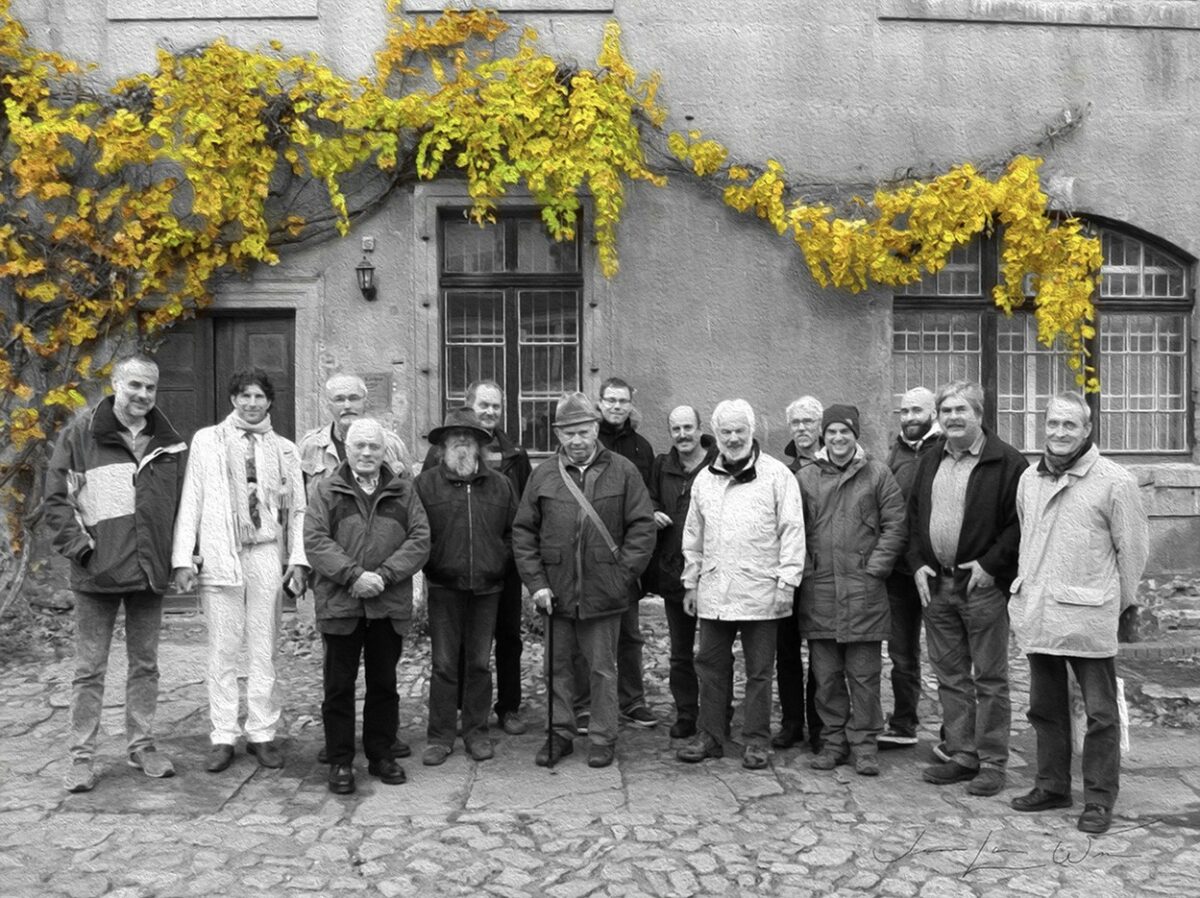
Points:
[(574, 490)]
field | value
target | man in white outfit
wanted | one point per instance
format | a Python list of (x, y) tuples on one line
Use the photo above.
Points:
[(240, 521)]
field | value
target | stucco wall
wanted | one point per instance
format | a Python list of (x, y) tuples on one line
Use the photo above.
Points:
[(708, 303)]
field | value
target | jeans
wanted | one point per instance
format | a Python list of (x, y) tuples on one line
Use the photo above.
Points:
[(904, 649), (631, 692), (1050, 714), (595, 640), (714, 666), (460, 622), (967, 637), (245, 614), (685, 687), (848, 676), (95, 615), (377, 644)]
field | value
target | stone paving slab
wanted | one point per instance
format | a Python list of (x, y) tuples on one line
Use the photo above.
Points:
[(648, 825)]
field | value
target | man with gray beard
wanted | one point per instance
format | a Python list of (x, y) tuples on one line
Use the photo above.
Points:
[(470, 509)]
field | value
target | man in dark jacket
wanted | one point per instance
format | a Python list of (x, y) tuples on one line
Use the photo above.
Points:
[(583, 535), (963, 540), (854, 517), (671, 478), (486, 398), (365, 534), (918, 433), (618, 434), (112, 491), (470, 509)]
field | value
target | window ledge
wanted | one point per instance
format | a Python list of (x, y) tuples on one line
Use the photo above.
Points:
[(1181, 15)]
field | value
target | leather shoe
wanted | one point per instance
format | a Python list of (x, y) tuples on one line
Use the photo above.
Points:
[(789, 734), (683, 729), (511, 723), (401, 749), (989, 781), (388, 770), (950, 772), (481, 749), (220, 756), (268, 753), (866, 765), (341, 779), (827, 759), (703, 746), (555, 747), (1040, 800), (1096, 818), (755, 757), (601, 755)]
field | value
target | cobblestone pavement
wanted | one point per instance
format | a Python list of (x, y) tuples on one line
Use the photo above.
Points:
[(648, 825)]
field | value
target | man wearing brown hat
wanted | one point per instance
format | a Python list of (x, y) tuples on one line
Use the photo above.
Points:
[(854, 512), (583, 535), (470, 509)]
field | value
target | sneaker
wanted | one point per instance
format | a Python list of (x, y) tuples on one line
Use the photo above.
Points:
[(601, 755), (582, 721), (942, 753), (341, 779), (151, 763), (80, 777), (1096, 818), (701, 747), (640, 717), (866, 765), (389, 771), (268, 753), (828, 759), (989, 781), (481, 749), (511, 723), (789, 734), (555, 747), (950, 772), (435, 754), (1037, 799), (755, 757), (683, 729), (895, 737)]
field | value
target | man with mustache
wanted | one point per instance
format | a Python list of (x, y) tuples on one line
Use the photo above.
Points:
[(671, 478), (743, 549)]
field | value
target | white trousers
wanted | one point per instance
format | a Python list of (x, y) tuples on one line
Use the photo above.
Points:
[(245, 615)]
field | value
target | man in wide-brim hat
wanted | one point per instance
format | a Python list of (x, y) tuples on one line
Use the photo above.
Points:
[(581, 556), (470, 508)]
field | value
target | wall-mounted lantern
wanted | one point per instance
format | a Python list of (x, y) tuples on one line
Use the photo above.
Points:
[(365, 272)]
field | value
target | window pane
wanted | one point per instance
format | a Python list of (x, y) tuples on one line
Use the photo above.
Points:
[(933, 348), (539, 253), (1143, 378), (548, 323), (1133, 269), (474, 339), (471, 249), (1027, 375), (959, 277)]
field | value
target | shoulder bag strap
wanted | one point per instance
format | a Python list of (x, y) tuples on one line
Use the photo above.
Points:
[(579, 497)]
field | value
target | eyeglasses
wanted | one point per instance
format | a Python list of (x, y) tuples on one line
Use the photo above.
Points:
[(608, 400)]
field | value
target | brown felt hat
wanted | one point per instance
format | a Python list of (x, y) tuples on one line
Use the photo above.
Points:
[(575, 408), (460, 419)]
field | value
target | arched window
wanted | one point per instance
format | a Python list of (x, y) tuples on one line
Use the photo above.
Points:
[(946, 328)]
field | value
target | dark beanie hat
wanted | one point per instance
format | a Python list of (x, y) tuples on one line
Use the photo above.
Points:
[(840, 414)]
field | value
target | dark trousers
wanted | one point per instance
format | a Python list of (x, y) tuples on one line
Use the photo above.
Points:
[(797, 696), (509, 645), (904, 649), (461, 624), (685, 687), (377, 644), (848, 675), (1050, 714), (714, 666)]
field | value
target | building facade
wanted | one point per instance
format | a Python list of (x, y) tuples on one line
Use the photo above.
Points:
[(708, 304)]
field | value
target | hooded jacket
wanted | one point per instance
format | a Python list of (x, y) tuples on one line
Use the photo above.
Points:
[(109, 513)]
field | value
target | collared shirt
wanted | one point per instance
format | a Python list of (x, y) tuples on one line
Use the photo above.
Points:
[(367, 484), (949, 499), (578, 471)]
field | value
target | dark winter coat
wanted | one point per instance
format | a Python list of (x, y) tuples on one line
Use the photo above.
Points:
[(557, 547), (628, 443), (513, 464), (110, 514), (902, 461), (855, 529), (470, 528), (346, 534), (671, 493)]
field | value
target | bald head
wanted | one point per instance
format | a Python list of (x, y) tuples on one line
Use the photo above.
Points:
[(684, 424), (917, 413)]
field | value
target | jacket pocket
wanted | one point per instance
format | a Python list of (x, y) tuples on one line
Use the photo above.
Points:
[(1079, 595)]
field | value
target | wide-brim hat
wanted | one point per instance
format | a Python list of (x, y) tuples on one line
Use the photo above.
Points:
[(460, 419), (575, 408)]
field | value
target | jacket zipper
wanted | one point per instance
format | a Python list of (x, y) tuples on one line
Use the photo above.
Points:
[(470, 542)]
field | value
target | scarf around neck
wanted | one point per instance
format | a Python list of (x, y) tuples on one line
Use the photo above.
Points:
[(270, 481)]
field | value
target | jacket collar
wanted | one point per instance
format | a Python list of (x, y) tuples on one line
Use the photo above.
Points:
[(673, 464), (856, 462), (343, 480), (930, 437), (107, 429), (746, 474), (1079, 468)]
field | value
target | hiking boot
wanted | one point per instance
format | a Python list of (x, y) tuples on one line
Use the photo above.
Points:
[(950, 772), (554, 748), (828, 759), (511, 723), (601, 755), (151, 763), (80, 777), (701, 747), (989, 781), (1096, 818), (481, 749), (435, 754), (866, 765), (755, 757), (1038, 799)]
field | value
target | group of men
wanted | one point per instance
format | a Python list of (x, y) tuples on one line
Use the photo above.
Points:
[(836, 547)]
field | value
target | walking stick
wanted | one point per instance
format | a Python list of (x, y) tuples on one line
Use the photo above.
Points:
[(553, 756)]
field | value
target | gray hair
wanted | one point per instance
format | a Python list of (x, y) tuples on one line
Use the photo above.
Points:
[(806, 403), (1074, 399), (733, 408), (967, 389), (345, 375), (121, 365), (364, 426)]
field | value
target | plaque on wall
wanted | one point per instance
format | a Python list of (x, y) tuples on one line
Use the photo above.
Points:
[(379, 391)]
